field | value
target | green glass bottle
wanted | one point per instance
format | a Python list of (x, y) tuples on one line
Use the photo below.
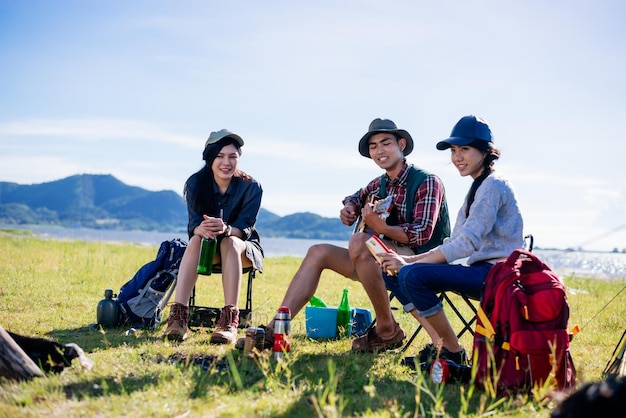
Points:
[(344, 322), (317, 302), (207, 254)]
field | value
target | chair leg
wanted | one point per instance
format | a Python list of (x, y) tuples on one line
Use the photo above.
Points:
[(410, 341), (251, 276), (245, 316), (467, 325), (203, 316), (192, 297)]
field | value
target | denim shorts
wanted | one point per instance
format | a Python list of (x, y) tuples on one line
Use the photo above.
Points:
[(394, 287)]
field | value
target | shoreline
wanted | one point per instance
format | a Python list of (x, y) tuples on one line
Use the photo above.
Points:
[(595, 264)]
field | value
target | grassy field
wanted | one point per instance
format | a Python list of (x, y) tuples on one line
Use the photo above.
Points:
[(50, 288)]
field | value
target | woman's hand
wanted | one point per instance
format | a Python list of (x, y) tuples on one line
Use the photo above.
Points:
[(211, 227), (391, 262)]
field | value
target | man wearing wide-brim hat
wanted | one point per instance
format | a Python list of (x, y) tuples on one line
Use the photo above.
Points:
[(406, 224), (386, 126)]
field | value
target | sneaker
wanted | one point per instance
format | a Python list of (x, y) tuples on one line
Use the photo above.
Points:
[(410, 362), (423, 360), (268, 342), (177, 323), (372, 343), (226, 330), (428, 353), (459, 358)]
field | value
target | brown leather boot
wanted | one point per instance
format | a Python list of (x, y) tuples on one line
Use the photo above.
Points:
[(177, 323), (226, 330)]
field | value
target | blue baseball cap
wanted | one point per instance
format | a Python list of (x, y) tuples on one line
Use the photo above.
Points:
[(467, 130)]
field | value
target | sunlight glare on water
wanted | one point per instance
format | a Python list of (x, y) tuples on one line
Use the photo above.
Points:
[(564, 263)]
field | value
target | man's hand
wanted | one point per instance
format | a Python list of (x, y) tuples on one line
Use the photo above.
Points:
[(372, 219), (348, 214)]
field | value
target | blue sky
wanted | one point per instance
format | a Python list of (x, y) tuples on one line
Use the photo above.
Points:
[(133, 89)]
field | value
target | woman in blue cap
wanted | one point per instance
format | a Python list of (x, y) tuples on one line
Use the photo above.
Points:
[(488, 228)]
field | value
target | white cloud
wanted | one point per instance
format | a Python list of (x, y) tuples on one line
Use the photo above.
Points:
[(95, 130), (134, 89)]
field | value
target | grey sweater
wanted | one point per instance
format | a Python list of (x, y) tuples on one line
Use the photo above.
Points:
[(494, 227)]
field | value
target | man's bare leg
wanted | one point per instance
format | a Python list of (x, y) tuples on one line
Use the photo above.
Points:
[(306, 280), (370, 276)]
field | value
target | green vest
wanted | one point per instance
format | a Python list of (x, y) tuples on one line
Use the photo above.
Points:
[(442, 226)]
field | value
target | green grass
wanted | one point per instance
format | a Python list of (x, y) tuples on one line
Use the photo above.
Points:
[(50, 288)]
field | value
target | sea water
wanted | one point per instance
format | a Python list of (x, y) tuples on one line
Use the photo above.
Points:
[(564, 263)]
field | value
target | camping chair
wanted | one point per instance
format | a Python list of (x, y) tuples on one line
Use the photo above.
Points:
[(203, 316), (467, 324), (471, 303), (445, 299)]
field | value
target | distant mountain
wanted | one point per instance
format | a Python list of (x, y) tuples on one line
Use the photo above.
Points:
[(104, 202), (303, 225)]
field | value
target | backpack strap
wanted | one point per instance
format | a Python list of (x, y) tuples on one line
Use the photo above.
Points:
[(484, 326), (414, 179)]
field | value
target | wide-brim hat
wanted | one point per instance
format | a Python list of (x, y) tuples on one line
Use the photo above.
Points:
[(221, 134), (467, 130), (384, 125)]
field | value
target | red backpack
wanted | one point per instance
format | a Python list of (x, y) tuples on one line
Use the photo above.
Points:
[(521, 337)]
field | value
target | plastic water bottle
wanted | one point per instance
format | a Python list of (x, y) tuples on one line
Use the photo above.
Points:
[(344, 326), (207, 254), (317, 302), (282, 328)]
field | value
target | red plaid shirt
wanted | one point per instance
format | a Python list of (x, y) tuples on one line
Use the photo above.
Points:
[(426, 208)]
